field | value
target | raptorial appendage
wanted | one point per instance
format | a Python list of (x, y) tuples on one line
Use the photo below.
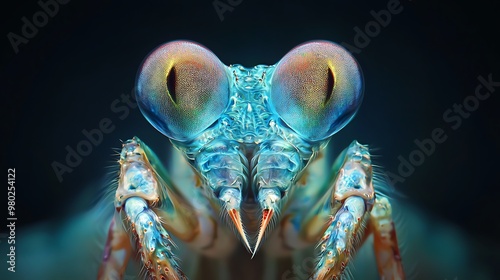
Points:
[(149, 208), (354, 206), (351, 197), (140, 191), (348, 211)]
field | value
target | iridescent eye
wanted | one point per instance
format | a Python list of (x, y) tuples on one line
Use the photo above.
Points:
[(182, 88), (317, 89)]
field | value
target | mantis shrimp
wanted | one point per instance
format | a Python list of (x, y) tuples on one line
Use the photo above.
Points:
[(248, 165)]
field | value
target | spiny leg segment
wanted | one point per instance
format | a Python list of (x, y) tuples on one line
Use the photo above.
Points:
[(139, 192), (338, 220), (351, 198), (154, 243), (150, 209)]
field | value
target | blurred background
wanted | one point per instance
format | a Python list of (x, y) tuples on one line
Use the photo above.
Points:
[(76, 67)]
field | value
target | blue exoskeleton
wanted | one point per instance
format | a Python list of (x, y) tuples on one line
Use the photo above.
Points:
[(248, 165)]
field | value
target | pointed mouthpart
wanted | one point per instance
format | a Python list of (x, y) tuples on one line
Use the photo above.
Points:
[(236, 218), (231, 200), (267, 215), (269, 199)]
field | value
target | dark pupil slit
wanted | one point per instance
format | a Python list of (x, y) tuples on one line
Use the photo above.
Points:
[(171, 79), (329, 86)]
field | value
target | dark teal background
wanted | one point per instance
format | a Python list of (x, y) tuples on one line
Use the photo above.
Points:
[(65, 79)]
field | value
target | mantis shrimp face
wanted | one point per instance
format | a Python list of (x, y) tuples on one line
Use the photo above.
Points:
[(249, 134), (275, 117)]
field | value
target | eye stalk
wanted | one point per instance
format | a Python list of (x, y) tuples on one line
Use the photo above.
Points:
[(317, 89), (182, 88)]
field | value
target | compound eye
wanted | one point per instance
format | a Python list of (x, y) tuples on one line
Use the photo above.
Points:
[(182, 88), (317, 89)]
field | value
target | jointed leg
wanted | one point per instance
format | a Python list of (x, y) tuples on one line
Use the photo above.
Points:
[(153, 241), (337, 220), (139, 192), (385, 241), (117, 251), (353, 193), (149, 208)]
